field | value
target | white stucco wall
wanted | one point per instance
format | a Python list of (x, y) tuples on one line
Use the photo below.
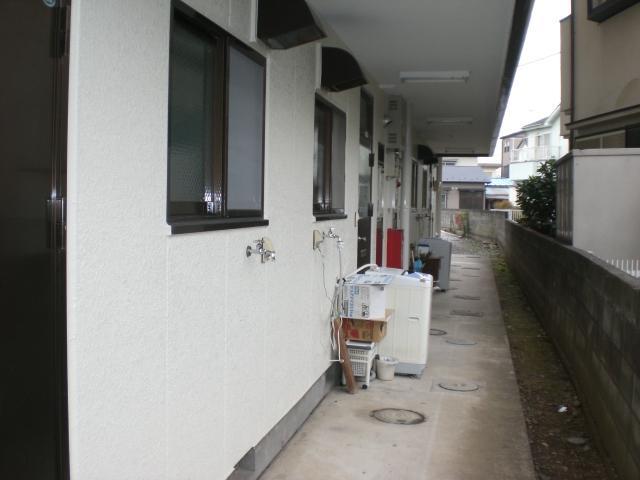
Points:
[(453, 199), (182, 352), (523, 170), (606, 202)]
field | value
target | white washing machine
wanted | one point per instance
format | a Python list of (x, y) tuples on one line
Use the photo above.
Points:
[(407, 336)]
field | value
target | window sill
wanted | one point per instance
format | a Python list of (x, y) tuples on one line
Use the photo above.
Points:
[(330, 216), (206, 225)]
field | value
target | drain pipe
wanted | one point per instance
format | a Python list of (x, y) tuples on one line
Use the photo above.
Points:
[(405, 206)]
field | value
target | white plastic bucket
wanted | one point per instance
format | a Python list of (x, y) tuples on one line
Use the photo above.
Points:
[(386, 367)]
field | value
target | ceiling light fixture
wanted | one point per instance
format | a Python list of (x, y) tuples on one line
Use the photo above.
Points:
[(454, 76), (450, 121)]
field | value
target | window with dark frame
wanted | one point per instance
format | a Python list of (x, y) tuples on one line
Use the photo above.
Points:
[(601, 10), (216, 127), (425, 188), (328, 161), (414, 184)]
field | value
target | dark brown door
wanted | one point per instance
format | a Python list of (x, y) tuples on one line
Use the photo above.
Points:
[(33, 92), (365, 169)]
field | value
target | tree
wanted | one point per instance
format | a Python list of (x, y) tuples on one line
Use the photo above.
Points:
[(537, 199)]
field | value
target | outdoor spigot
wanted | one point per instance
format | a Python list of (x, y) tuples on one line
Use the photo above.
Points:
[(264, 248)]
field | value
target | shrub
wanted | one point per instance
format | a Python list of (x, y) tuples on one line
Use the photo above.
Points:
[(503, 205), (537, 199)]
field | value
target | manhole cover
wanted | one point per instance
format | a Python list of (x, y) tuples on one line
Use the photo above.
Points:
[(437, 331), (460, 341), (466, 297), (398, 416), (459, 386), (466, 313)]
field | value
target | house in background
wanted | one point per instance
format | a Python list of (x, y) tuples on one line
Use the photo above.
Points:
[(500, 193), (463, 187), (488, 165), (162, 155), (600, 107), (536, 142)]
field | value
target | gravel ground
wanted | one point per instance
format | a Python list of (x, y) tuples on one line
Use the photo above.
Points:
[(563, 445)]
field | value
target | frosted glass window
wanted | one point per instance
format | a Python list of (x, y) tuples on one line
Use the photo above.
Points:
[(245, 132), (216, 127), (191, 112), (328, 160)]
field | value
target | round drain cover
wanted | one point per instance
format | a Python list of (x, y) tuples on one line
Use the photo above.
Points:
[(398, 416), (460, 341), (459, 387), (437, 331)]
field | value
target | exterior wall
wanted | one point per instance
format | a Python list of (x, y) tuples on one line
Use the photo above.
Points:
[(606, 75), (481, 224), (453, 199), (182, 352), (607, 223), (523, 170), (565, 74), (525, 161), (590, 310)]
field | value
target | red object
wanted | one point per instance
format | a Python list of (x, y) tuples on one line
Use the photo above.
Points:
[(379, 247), (395, 237)]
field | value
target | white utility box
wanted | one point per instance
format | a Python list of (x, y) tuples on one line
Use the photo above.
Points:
[(364, 296), (407, 336)]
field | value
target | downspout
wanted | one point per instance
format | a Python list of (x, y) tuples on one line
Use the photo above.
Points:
[(405, 207), (437, 212)]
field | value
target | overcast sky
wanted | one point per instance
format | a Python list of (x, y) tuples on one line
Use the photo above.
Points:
[(536, 88)]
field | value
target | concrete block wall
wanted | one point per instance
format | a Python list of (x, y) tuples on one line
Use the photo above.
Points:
[(482, 224), (592, 312)]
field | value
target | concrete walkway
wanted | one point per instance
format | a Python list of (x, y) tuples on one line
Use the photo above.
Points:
[(472, 435)]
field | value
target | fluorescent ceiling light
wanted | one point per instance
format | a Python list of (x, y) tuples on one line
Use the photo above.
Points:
[(449, 121), (454, 76)]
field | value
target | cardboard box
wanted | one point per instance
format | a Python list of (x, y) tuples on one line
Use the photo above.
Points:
[(366, 330), (364, 296)]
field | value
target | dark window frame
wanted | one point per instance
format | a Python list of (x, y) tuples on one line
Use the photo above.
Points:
[(326, 210), (608, 9), (204, 216), (624, 129), (628, 135), (425, 187), (414, 184)]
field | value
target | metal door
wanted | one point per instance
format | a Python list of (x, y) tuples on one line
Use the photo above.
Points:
[(33, 87)]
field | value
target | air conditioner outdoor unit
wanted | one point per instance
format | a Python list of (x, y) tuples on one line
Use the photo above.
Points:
[(395, 132)]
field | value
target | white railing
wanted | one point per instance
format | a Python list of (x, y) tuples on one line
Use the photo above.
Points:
[(542, 152), (627, 265), (512, 214)]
